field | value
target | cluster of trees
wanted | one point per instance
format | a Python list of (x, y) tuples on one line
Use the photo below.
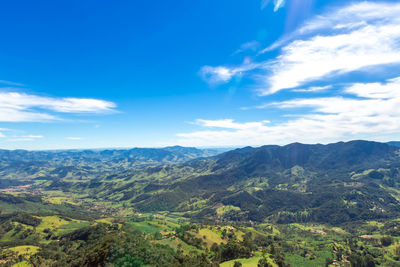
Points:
[(107, 245), (235, 248), (230, 251), (20, 217), (184, 234)]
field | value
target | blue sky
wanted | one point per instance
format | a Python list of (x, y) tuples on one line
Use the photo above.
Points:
[(96, 74)]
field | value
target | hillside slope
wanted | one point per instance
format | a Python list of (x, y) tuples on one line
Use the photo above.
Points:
[(21, 166), (331, 183), (334, 183)]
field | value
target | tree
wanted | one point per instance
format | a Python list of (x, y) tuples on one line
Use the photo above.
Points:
[(386, 240), (263, 263), (237, 264)]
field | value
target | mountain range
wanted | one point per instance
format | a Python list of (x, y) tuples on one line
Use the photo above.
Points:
[(334, 183)]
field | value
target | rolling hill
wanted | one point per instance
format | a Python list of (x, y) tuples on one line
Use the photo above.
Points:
[(334, 183), (198, 208), (21, 166)]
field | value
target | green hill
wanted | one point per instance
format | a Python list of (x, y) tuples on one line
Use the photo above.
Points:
[(332, 183)]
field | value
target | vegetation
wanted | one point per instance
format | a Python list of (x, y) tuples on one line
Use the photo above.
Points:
[(298, 205)]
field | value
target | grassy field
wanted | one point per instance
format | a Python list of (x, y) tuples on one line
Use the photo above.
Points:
[(25, 250), (178, 244), (106, 220), (59, 225), (59, 200), (22, 264), (297, 260), (224, 209), (250, 262), (375, 223), (311, 244), (211, 236), (72, 226), (51, 222), (145, 227)]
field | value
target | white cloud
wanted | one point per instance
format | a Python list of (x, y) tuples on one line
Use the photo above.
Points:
[(10, 83), (72, 105), (34, 136), (253, 46), (371, 110), (388, 90), (350, 38), (313, 89), (230, 124), (16, 115), (4, 130), (217, 75), (24, 138), (20, 107), (354, 15), (74, 138), (277, 4), (308, 60)]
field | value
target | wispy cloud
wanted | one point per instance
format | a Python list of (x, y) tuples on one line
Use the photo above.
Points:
[(303, 61), (348, 39), (388, 90), (252, 46), (313, 89), (20, 107), (222, 74), (357, 37), (25, 138), (74, 138), (15, 115), (277, 4), (33, 136), (21, 139), (371, 109), (10, 83), (4, 130)]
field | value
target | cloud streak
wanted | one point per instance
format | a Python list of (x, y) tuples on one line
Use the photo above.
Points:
[(352, 38), (371, 109), (303, 61), (10, 83), (221, 74), (74, 138), (20, 107), (355, 38), (249, 46), (25, 138), (313, 89), (277, 4)]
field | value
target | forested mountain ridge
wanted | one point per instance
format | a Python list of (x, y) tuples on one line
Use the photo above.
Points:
[(178, 207), (334, 183), (22, 166), (171, 154), (331, 183)]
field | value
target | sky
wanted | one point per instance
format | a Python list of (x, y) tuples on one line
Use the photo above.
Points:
[(210, 73)]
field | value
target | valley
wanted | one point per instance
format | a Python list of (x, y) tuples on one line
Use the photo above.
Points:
[(294, 205)]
